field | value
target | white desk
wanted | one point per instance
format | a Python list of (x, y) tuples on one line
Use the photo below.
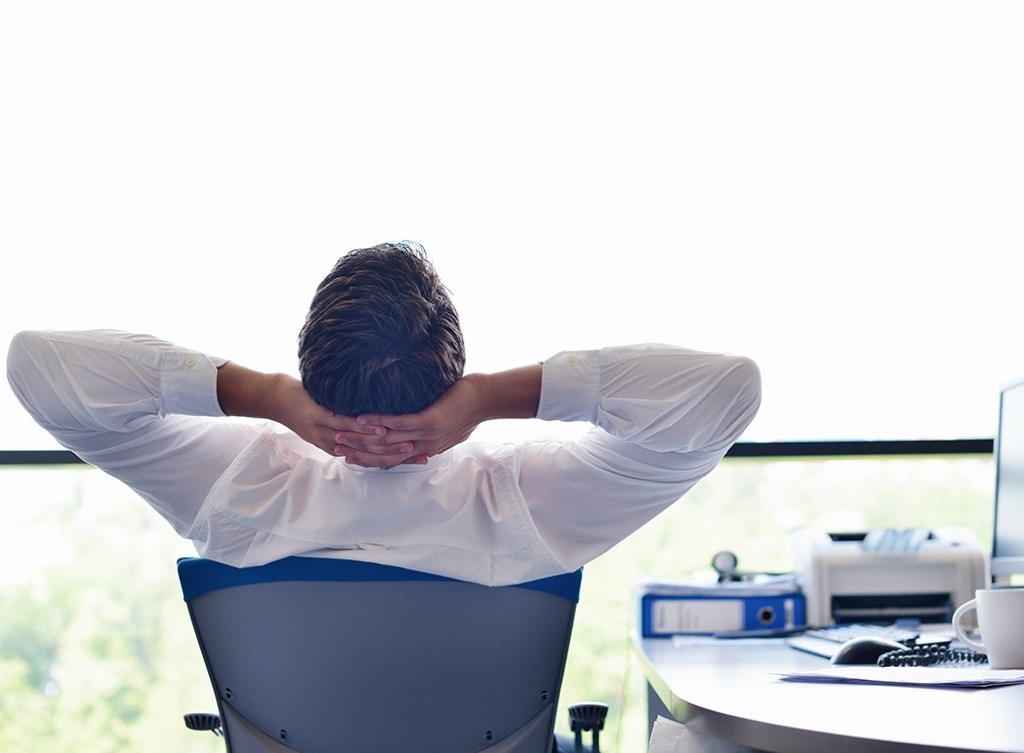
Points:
[(729, 689)]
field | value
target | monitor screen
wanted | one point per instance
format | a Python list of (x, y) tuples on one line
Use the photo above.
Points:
[(1008, 535)]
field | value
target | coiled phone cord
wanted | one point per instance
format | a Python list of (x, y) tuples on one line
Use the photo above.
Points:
[(927, 656)]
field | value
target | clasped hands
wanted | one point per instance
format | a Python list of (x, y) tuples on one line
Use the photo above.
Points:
[(379, 441)]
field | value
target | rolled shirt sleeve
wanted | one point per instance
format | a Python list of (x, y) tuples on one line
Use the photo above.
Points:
[(664, 418), (139, 408), (663, 398)]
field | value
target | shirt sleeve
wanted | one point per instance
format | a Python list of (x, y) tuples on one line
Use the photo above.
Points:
[(663, 418), (135, 406), (664, 398)]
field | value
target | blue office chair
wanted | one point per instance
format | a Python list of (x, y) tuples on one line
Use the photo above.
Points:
[(317, 655)]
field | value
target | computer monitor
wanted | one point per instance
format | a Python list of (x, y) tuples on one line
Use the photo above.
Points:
[(1008, 533)]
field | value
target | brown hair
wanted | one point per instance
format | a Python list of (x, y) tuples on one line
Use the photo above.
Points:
[(381, 335)]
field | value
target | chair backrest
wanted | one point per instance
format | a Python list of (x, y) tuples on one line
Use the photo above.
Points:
[(317, 655)]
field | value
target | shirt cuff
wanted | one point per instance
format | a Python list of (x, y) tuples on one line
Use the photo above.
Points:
[(189, 383), (569, 386)]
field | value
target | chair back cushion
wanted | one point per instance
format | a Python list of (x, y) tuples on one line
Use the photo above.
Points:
[(318, 655)]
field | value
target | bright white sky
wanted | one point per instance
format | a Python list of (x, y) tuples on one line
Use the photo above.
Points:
[(832, 188)]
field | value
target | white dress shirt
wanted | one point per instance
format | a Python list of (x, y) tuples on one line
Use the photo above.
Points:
[(247, 492)]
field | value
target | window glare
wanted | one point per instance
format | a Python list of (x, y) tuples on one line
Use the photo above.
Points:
[(831, 188)]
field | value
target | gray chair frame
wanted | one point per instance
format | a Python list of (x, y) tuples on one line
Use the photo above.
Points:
[(323, 655)]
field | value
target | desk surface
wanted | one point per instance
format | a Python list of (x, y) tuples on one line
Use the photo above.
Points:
[(730, 689)]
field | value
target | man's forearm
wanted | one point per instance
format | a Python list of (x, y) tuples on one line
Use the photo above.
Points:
[(244, 392), (514, 393)]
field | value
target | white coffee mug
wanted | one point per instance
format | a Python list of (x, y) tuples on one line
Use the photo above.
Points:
[(1000, 620)]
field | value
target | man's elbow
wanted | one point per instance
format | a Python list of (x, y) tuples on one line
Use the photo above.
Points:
[(743, 380), (716, 418), (748, 380), (19, 360)]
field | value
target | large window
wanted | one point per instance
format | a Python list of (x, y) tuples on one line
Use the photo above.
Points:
[(830, 188)]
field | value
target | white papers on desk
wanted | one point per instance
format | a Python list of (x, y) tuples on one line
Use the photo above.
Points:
[(937, 677)]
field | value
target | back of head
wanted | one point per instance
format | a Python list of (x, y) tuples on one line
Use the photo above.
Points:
[(381, 335)]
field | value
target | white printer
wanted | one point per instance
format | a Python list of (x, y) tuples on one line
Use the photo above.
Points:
[(887, 575)]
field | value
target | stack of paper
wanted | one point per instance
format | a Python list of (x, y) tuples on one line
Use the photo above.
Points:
[(973, 676)]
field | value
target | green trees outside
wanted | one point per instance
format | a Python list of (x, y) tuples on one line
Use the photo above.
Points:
[(97, 653), (96, 650)]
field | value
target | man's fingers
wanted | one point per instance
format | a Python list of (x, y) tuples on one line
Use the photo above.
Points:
[(357, 429), (396, 453), (376, 442), (370, 460), (372, 419)]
